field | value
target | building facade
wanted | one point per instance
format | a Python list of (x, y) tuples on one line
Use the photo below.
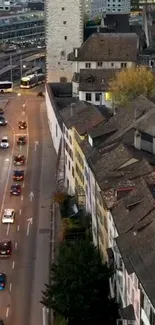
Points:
[(64, 31)]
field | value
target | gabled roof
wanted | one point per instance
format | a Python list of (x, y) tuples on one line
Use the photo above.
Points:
[(108, 47)]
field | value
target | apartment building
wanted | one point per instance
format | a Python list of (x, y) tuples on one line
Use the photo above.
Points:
[(117, 179), (97, 8), (64, 31)]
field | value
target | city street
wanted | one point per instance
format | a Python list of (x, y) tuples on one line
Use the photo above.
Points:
[(27, 268)]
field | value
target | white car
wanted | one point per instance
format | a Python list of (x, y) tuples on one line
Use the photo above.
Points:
[(4, 143), (8, 216)]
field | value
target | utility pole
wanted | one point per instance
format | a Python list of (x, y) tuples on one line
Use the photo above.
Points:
[(11, 72)]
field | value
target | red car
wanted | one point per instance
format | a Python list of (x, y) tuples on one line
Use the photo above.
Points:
[(19, 160), (15, 190), (18, 175)]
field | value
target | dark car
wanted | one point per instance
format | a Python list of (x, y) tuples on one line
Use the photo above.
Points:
[(15, 189), (19, 160), (5, 248), (22, 125), (2, 281), (18, 175), (1, 322), (1, 111), (3, 121), (21, 140)]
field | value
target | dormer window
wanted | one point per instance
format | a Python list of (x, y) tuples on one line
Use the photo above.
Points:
[(90, 79)]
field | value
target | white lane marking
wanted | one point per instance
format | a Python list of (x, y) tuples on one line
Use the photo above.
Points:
[(20, 212), (30, 220), (8, 228), (23, 185), (31, 195), (18, 227), (7, 159), (44, 315), (16, 245), (7, 180), (22, 198), (36, 143), (7, 312), (13, 264), (10, 287)]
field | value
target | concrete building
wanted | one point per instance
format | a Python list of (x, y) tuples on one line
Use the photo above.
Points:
[(64, 31), (98, 8)]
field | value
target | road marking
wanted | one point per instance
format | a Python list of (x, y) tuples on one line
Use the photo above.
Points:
[(44, 315), (20, 212), (7, 312), (7, 180), (36, 143), (31, 196), (18, 227), (13, 264), (30, 220), (8, 228), (10, 287), (16, 245), (23, 185), (22, 198)]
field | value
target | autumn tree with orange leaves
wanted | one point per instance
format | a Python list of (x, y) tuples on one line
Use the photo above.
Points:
[(130, 83)]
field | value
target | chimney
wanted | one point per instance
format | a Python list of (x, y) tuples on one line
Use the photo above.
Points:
[(76, 51), (137, 140)]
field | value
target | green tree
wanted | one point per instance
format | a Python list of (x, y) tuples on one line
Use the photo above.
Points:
[(130, 83), (80, 286)]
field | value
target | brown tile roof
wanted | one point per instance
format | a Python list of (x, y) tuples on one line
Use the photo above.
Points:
[(108, 47), (137, 249), (81, 115), (96, 79)]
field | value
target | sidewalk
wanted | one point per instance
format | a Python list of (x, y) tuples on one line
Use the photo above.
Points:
[(39, 314)]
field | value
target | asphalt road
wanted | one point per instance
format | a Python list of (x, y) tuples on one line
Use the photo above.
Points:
[(27, 268)]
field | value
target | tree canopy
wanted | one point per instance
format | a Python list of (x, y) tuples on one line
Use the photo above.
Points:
[(130, 83), (79, 289)]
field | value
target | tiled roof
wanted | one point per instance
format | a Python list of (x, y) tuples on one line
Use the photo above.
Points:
[(96, 79), (138, 251), (108, 47), (81, 115)]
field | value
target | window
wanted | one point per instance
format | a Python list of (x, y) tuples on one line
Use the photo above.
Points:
[(99, 64), (72, 171), (129, 285), (88, 65), (112, 64), (56, 130), (132, 296), (65, 37), (63, 8), (69, 165), (70, 139), (65, 159), (123, 65), (98, 97), (64, 22), (66, 134), (88, 97)]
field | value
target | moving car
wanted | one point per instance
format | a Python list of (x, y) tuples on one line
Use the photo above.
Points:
[(3, 121), (5, 248), (18, 175), (8, 216), (21, 140), (1, 113), (2, 281), (19, 160), (22, 125), (4, 143), (15, 189)]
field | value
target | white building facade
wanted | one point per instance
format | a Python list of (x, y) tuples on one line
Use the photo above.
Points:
[(64, 31)]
